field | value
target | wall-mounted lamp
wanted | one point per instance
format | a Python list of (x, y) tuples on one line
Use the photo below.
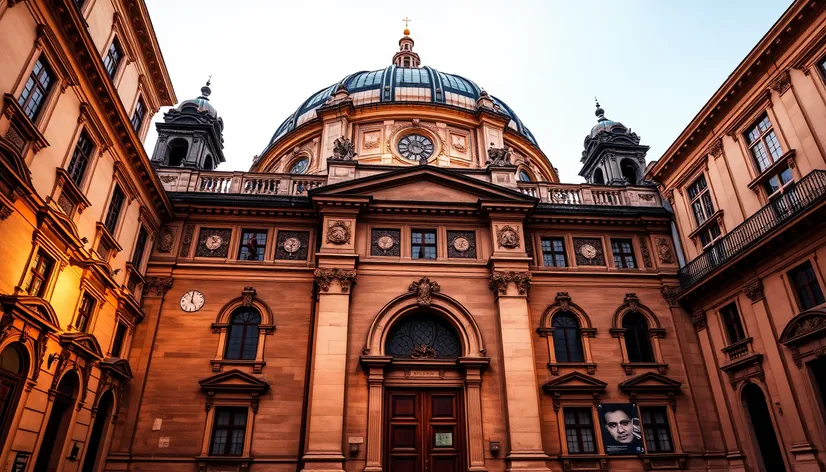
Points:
[(52, 357), (355, 443), (494, 448), (354, 449), (74, 453)]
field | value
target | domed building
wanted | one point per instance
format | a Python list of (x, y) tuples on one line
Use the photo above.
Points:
[(401, 283)]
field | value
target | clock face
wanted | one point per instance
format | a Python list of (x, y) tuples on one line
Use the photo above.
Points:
[(192, 301), (415, 147)]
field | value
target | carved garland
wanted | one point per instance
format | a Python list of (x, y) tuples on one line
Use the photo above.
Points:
[(499, 281), (345, 277)]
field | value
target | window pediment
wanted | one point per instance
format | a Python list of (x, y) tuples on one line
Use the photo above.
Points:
[(806, 325), (575, 382), (118, 367), (83, 344), (233, 381), (34, 309), (650, 382)]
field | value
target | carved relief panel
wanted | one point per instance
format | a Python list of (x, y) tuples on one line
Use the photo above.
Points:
[(292, 245), (213, 242), (589, 252), (385, 242), (461, 244)]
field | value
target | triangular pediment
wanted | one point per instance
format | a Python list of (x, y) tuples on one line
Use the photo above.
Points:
[(84, 344), (233, 381), (117, 366), (650, 382), (424, 184), (575, 382), (808, 325)]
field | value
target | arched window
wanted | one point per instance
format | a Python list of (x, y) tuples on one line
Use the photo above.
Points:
[(598, 179), (300, 166), (423, 336), (242, 335), (177, 151), (524, 176), (567, 343), (57, 426), (208, 164), (629, 171), (637, 339)]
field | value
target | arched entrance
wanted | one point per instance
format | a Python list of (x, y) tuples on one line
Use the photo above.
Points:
[(57, 426), (423, 356), (13, 369), (100, 430), (757, 411)]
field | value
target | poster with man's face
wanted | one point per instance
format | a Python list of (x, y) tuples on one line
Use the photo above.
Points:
[(621, 433)]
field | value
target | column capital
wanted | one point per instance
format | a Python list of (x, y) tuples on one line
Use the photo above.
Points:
[(345, 277), (500, 281), (157, 286), (754, 290)]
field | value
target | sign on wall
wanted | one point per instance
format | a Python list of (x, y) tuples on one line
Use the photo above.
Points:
[(621, 433)]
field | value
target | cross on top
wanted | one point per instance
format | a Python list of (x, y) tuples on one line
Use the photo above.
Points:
[(406, 21)]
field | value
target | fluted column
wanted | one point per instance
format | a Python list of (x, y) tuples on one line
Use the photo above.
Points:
[(375, 410), (473, 411)]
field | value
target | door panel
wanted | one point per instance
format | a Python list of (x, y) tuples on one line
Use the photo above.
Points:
[(423, 431)]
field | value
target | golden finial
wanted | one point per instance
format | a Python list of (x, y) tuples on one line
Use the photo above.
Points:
[(406, 29)]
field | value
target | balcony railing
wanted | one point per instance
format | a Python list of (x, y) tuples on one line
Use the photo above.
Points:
[(792, 203), (246, 183)]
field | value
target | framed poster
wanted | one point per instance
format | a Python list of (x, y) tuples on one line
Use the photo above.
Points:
[(620, 424)]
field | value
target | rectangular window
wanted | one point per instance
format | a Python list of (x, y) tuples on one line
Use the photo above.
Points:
[(423, 244), (120, 336), (778, 182), (700, 198), (228, 431), (253, 244), (36, 89), (115, 205), (137, 117), (579, 431), (710, 234), (553, 252), (140, 247), (112, 58), (84, 312), (806, 286), (763, 143), (39, 273), (623, 251), (732, 323), (80, 158), (656, 429)]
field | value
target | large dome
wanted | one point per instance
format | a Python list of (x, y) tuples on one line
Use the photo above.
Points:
[(401, 84)]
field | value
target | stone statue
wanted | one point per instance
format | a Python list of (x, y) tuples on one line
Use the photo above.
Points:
[(343, 149), (499, 156)]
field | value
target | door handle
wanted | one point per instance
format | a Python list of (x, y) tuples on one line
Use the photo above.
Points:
[(426, 465)]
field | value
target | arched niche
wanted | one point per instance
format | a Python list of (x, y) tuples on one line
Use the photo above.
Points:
[(630, 171), (463, 372), (176, 152), (598, 178)]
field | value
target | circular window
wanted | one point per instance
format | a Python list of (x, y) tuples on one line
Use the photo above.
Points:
[(415, 147), (524, 176), (300, 166)]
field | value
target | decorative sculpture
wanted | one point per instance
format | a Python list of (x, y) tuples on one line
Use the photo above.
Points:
[(499, 157), (343, 149)]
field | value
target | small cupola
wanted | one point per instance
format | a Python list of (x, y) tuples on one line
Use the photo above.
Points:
[(612, 154), (406, 57)]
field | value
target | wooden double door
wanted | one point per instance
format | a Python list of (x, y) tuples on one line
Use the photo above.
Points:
[(424, 430)]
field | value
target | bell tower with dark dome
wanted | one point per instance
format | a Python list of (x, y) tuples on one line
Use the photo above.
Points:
[(613, 154), (191, 135)]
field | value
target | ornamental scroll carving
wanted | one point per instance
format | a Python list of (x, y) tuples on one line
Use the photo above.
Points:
[(671, 295), (564, 301), (499, 281), (158, 286), (507, 236), (646, 256), (754, 290), (781, 83), (338, 232), (424, 290), (247, 296), (345, 277)]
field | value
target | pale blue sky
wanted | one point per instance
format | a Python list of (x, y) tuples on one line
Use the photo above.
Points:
[(652, 63)]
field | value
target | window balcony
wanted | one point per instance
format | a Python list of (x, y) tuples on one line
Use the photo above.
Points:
[(795, 201)]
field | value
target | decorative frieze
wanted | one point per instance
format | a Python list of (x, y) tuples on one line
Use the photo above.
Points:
[(345, 277), (424, 289), (499, 281), (646, 255)]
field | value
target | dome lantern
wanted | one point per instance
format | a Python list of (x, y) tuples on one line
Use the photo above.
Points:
[(406, 57), (613, 154)]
